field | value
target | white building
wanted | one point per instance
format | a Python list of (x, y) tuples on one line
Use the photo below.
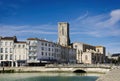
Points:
[(12, 52), (6, 50), (20, 53), (42, 51)]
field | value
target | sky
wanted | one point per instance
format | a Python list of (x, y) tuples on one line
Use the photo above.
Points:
[(95, 22)]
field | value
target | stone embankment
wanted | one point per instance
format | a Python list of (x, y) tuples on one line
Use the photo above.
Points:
[(88, 69), (112, 75)]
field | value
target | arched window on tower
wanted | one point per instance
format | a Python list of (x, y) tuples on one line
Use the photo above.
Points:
[(62, 30), (86, 57)]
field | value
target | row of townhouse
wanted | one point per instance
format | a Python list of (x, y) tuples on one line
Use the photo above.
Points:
[(33, 51), (42, 51)]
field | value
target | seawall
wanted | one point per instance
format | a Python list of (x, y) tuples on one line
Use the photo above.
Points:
[(55, 69)]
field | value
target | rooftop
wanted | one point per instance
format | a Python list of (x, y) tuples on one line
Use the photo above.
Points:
[(115, 55)]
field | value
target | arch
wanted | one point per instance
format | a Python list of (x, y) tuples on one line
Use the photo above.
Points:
[(79, 71)]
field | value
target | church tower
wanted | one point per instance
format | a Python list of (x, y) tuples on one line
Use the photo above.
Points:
[(63, 34)]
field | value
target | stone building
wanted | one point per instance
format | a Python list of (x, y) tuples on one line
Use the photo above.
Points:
[(85, 53), (68, 54), (63, 34), (89, 54)]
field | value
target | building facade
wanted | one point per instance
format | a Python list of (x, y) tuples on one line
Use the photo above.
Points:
[(33, 51), (89, 54), (12, 52), (20, 53), (43, 51)]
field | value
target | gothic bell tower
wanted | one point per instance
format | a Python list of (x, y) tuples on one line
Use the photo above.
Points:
[(63, 34)]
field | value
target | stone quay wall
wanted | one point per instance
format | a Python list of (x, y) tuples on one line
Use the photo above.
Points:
[(56, 69)]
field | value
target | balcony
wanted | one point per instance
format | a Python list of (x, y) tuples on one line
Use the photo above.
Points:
[(33, 55), (33, 44), (33, 50)]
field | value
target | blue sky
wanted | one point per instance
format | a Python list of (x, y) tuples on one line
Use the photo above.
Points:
[(95, 22)]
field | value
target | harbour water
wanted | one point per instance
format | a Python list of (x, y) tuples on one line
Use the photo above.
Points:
[(48, 77)]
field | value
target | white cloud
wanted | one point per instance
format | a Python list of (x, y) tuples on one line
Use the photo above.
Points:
[(105, 27), (10, 30), (98, 26), (114, 18)]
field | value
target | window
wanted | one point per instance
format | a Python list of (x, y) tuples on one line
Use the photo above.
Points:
[(49, 45), (46, 54), (0, 43), (14, 45), (10, 43), (6, 50), (52, 50), (6, 57), (52, 45), (1, 51), (30, 48), (98, 50), (1, 57), (49, 49), (42, 53), (10, 57), (76, 46), (42, 48), (45, 44), (34, 58), (5, 43), (10, 50), (23, 46), (49, 54), (30, 57), (52, 54), (42, 43), (18, 46)]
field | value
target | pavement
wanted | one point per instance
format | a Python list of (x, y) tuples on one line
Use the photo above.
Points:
[(112, 75)]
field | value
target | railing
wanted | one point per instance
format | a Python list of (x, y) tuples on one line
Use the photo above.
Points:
[(32, 49), (32, 55), (33, 44)]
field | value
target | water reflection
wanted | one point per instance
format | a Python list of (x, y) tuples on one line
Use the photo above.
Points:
[(48, 77)]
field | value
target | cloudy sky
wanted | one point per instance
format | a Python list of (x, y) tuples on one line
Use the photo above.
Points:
[(95, 22)]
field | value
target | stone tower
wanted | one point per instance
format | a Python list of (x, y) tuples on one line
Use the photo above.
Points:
[(63, 34)]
